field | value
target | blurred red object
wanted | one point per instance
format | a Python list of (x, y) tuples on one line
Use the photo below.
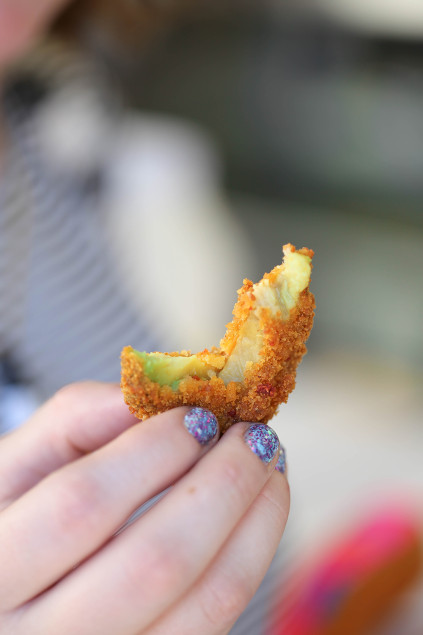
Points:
[(357, 581)]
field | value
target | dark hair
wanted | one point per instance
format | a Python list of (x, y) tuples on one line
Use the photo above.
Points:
[(125, 20)]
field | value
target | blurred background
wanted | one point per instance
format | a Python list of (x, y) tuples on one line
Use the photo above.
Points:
[(156, 154)]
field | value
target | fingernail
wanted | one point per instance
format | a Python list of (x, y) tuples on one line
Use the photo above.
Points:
[(281, 464), (263, 441), (202, 424)]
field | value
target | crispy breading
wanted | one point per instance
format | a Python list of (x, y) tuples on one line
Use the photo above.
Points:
[(267, 382)]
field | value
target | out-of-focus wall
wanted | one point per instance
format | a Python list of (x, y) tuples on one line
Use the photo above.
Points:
[(321, 133)]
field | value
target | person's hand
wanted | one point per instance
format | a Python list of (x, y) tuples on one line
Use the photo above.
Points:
[(21, 21), (72, 476)]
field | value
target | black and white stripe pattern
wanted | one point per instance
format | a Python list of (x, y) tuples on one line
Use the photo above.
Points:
[(64, 316)]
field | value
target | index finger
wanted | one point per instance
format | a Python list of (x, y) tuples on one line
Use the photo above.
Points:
[(80, 418)]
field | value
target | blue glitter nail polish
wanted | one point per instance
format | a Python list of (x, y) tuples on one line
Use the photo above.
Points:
[(263, 441), (202, 424), (281, 464)]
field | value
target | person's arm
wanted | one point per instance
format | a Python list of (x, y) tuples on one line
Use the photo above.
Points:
[(72, 476)]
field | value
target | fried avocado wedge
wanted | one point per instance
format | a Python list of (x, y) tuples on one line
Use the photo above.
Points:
[(254, 369)]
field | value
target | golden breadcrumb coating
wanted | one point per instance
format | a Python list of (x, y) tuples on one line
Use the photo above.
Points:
[(266, 382)]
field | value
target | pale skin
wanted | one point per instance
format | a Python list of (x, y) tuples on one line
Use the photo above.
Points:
[(72, 475)]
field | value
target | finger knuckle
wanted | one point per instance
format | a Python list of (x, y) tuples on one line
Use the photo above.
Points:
[(222, 602), (77, 502), (236, 481), (277, 503), (156, 568), (68, 395)]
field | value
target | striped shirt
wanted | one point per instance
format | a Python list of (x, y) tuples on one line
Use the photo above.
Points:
[(63, 315)]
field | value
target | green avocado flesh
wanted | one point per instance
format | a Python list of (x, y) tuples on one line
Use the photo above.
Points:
[(280, 296), (169, 370)]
